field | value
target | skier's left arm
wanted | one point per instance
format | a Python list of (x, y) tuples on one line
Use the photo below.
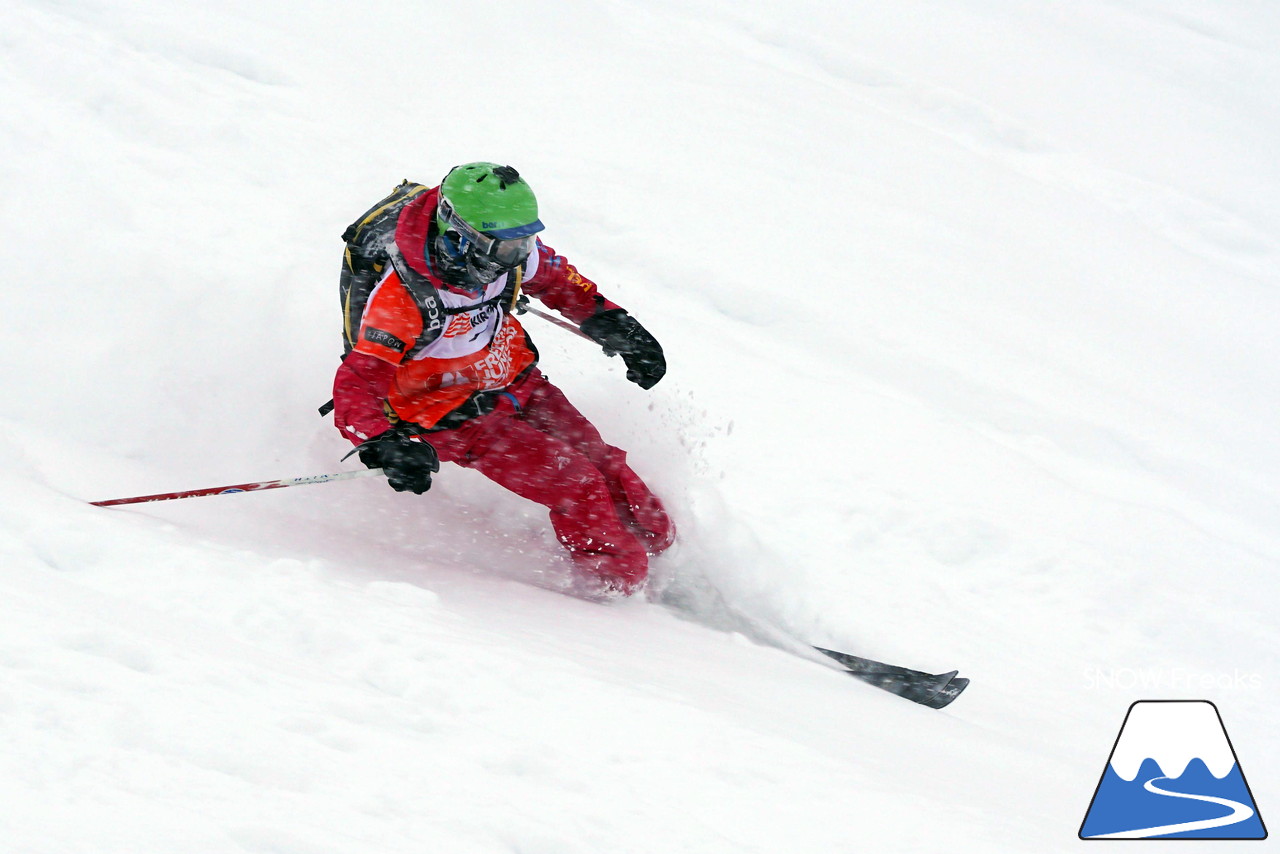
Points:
[(558, 284)]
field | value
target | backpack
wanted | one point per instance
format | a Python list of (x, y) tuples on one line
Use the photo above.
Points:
[(370, 241)]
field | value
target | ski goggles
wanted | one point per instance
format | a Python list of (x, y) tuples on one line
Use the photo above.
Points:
[(506, 252)]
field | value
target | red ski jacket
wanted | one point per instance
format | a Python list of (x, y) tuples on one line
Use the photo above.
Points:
[(482, 351)]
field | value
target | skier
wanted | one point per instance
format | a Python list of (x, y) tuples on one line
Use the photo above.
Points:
[(440, 369)]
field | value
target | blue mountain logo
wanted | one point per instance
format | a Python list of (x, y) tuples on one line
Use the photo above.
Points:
[(1173, 774)]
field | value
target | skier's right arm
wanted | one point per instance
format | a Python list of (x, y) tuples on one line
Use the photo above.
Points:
[(359, 388), (358, 391)]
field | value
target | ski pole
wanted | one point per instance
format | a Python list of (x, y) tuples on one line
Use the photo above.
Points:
[(240, 487), (563, 324)]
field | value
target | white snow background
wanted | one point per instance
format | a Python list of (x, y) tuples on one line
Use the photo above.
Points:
[(971, 312)]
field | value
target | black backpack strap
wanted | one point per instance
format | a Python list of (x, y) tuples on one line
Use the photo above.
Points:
[(424, 296), (434, 311)]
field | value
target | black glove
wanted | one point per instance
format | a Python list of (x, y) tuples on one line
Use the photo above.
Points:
[(407, 463), (618, 332)]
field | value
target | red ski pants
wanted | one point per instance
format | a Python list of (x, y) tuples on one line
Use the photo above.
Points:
[(549, 452)]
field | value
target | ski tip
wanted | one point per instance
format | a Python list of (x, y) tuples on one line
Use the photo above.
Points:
[(934, 690), (954, 686)]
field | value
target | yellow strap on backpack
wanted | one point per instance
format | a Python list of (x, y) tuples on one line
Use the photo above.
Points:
[(515, 292)]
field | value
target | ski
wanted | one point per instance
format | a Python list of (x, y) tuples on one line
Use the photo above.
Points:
[(934, 690)]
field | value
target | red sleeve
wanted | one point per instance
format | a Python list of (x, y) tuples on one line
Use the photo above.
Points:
[(558, 283), (359, 388)]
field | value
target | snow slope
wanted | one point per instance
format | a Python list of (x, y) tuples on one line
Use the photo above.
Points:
[(970, 309)]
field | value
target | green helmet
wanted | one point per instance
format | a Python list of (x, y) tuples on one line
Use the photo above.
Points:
[(491, 199), (487, 218)]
